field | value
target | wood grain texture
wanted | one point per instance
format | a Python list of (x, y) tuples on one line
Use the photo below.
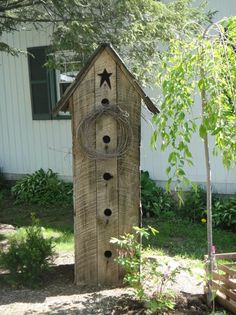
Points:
[(226, 256), (107, 195), (93, 193), (84, 189), (224, 278), (230, 305), (128, 165), (229, 293), (227, 270)]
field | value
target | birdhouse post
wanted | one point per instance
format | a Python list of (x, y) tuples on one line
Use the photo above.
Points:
[(105, 104)]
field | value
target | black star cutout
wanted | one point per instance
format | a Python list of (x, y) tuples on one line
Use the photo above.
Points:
[(105, 77)]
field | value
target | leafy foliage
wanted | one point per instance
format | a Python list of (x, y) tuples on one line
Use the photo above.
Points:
[(28, 256), (143, 273), (2, 179), (202, 65), (43, 188), (14, 13), (134, 27), (224, 213), (155, 200), (194, 208)]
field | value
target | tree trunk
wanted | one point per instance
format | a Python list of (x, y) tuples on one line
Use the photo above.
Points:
[(210, 260)]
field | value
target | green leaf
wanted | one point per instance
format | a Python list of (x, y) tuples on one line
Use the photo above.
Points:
[(202, 131), (201, 84), (180, 172)]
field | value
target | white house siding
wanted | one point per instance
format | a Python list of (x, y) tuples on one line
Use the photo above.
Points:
[(27, 145)]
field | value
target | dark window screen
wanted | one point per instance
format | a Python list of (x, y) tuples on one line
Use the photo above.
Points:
[(40, 98), (42, 84), (37, 61)]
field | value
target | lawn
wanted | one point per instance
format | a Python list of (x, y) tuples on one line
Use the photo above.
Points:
[(178, 241), (188, 240), (176, 237), (57, 221)]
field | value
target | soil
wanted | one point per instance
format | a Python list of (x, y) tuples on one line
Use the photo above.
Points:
[(60, 296)]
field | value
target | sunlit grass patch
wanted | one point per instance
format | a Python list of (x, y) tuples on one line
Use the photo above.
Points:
[(63, 240)]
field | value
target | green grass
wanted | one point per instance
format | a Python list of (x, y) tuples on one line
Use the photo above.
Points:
[(56, 221), (188, 240), (60, 217), (178, 238), (63, 240)]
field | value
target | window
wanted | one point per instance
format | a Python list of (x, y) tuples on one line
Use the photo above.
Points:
[(42, 84), (46, 85)]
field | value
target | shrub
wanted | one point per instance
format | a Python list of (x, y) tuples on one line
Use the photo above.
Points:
[(194, 206), (1, 197), (155, 200), (43, 188), (2, 179), (224, 213), (148, 277), (223, 209), (28, 256)]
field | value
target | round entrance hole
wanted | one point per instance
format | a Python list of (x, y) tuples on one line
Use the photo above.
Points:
[(105, 102), (108, 254), (106, 139), (107, 176), (108, 212)]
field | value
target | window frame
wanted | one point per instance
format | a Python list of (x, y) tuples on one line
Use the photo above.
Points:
[(52, 85)]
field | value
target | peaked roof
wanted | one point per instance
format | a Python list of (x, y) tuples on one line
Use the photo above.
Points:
[(63, 103)]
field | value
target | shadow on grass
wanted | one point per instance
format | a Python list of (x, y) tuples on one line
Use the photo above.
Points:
[(58, 217)]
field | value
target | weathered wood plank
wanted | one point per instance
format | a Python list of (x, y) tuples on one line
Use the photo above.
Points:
[(231, 306), (224, 290), (107, 195), (84, 189), (128, 165), (226, 256), (225, 280), (227, 270)]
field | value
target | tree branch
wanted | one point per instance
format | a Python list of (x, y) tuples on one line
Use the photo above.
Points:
[(25, 20), (19, 5)]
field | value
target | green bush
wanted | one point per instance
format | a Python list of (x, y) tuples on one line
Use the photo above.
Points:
[(2, 179), (155, 200), (194, 206), (43, 188), (28, 256), (1, 197), (224, 213), (141, 272)]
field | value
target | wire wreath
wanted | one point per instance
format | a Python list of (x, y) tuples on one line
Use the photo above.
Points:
[(85, 133)]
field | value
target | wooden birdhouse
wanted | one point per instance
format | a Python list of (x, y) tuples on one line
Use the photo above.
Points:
[(105, 104)]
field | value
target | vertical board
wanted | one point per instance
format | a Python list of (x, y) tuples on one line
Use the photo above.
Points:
[(84, 189), (107, 195), (128, 165)]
